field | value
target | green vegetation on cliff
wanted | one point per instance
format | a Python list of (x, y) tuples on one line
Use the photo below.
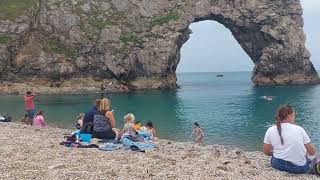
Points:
[(4, 39), (54, 46), (11, 9), (131, 38), (172, 16)]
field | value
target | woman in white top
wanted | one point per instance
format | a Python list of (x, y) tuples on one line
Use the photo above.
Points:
[(287, 143)]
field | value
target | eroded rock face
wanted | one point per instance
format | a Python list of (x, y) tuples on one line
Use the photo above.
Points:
[(138, 41)]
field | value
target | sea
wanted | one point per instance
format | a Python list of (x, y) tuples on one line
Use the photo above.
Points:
[(230, 109)]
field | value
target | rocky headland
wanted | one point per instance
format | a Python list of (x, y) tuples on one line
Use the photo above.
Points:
[(54, 44), (31, 153)]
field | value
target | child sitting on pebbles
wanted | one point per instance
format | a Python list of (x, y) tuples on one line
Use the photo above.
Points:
[(197, 132), (148, 130), (80, 121), (128, 127)]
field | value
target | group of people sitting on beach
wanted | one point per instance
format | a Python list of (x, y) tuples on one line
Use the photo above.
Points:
[(100, 122), (31, 117)]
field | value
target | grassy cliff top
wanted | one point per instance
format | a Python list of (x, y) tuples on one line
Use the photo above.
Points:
[(11, 9)]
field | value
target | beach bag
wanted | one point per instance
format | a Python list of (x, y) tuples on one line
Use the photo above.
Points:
[(101, 123), (315, 165), (87, 128), (69, 140), (5, 119)]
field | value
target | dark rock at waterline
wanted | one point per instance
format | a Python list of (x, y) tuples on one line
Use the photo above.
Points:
[(138, 42)]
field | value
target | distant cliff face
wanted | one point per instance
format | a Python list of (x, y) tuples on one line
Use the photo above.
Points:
[(138, 41)]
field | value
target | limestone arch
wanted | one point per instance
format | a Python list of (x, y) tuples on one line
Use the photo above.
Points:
[(277, 50), (222, 50)]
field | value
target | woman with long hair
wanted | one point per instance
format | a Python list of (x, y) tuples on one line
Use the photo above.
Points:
[(288, 143), (104, 122)]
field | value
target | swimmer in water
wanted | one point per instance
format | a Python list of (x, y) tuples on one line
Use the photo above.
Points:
[(268, 98)]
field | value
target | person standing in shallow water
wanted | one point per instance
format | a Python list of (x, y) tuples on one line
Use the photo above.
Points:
[(288, 144), (29, 106), (197, 132)]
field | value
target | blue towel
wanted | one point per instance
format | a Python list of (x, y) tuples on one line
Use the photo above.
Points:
[(137, 145), (109, 147)]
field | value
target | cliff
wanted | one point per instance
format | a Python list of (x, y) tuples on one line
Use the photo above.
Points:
[(91, 43)]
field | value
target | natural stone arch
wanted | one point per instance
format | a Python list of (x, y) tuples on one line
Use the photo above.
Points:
[(139, 41), (274, 42)]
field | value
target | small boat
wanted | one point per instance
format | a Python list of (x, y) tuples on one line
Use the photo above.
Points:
[(219, 75)]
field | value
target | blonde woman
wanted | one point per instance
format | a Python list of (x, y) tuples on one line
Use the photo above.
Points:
[(104, 122)]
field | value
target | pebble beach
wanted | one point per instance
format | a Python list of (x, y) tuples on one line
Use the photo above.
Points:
[(31, 153)]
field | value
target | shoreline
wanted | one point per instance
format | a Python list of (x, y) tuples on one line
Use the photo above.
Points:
[(72, 87), (29, 152)]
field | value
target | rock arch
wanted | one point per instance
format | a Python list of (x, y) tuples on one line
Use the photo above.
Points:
[(138, 41), (273, 38)]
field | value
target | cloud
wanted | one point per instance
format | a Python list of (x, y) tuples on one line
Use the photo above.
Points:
[(310, 5)]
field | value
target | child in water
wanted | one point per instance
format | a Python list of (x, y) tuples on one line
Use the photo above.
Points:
[(197, 132)]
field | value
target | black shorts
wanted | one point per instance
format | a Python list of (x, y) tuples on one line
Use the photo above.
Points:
[(104, 135)]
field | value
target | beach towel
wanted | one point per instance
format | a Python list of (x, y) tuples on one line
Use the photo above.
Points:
[(110, 147), (137, 146)]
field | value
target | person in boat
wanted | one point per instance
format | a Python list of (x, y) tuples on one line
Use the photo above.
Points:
[(287, 143), (104, 122)]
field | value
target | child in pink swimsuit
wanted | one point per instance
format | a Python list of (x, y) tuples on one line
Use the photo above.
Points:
[(39, 120)]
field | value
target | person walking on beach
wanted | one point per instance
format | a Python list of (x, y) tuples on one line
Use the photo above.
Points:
[(288, 143), (29, 106), (198, 133)]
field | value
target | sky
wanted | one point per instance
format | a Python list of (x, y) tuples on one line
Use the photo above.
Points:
[(212, 47)]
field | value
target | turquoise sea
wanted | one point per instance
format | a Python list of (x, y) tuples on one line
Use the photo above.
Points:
[(231, 109)]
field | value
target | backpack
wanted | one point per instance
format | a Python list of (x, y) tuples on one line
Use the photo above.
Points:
[(5, 119), (87, 128), (315, 165), (101, 123)]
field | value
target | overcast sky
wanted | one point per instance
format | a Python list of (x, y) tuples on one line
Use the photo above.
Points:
[(212, 48)]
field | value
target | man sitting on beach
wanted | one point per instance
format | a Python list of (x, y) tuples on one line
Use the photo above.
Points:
[(89, 116)]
